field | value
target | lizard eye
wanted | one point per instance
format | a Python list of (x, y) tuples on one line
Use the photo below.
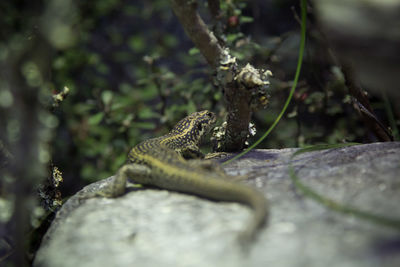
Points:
[(200, 127)]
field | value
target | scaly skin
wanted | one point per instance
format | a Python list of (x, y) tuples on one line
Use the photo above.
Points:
[(160, 162)]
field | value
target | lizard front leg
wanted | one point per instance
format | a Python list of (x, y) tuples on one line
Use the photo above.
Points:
[(192, 152)]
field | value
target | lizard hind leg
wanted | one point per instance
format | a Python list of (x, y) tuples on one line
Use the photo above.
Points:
[(135, 172)]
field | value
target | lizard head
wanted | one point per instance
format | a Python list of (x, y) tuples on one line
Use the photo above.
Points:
[(195, 125)]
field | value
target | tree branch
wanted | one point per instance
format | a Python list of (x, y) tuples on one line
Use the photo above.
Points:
[(244, 87), (196, 29)]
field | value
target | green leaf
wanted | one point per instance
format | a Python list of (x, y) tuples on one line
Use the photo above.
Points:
[(170, 40), (93, 59), (217, 96), (144, 125), (96, 118), (194, 51), (125, 87), (118, 161), (103, 68), (246, 19), (89, 173), (191, 107), (83, 108), (148, 93), (232, 37), (137, 43), (106, 97), (147, 113)]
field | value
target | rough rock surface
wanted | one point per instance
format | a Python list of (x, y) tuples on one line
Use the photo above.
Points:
[(155, 227)]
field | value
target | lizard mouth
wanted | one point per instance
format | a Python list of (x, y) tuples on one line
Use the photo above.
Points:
[(211, 118)]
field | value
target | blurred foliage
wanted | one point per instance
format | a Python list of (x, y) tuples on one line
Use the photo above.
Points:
[(123, 89), (133, 73)]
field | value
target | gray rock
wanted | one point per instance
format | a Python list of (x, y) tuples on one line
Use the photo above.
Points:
[(153, 227)]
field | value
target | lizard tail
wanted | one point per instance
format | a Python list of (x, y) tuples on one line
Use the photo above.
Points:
[(255, 200)]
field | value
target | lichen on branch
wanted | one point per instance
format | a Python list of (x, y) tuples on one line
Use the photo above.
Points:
[(245, 91)]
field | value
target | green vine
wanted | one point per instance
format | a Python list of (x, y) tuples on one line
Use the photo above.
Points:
[(329, 203), (296, 78)]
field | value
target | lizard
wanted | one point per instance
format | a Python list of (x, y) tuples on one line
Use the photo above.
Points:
[(162, 162)]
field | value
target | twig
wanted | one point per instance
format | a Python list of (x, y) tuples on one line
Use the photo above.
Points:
[(363, 106), (196, 29)]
